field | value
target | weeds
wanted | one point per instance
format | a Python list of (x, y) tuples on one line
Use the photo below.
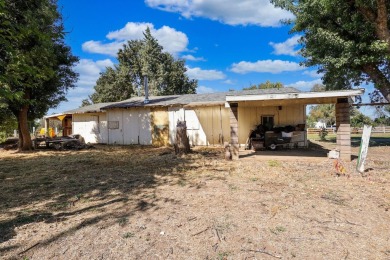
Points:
[(277, 230), (123, 221), (128, 235), (273, 163)]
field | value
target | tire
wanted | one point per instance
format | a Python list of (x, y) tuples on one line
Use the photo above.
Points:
[(272, 147)]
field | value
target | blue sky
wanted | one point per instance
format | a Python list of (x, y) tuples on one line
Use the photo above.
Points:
[(227, 44)]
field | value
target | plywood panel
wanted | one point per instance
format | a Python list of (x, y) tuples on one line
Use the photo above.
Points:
[(136, 126), (92, 127), (160, 126), (114, 118)]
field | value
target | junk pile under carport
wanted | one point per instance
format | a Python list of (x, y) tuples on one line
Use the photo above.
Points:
[(72, 142), (289, 136)]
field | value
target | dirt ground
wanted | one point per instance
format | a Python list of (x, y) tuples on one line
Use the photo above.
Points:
[(146, 203)]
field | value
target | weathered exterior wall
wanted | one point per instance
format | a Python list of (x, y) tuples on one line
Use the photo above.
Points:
[(160, 126), (205, 125), (91, 126), (129, 126), (250, 116)]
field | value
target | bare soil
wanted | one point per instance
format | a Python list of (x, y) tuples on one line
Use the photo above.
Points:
[(147, 203)]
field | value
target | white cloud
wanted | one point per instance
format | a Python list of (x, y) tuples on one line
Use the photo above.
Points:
[(304, 85), (288, 47), (203, 90), (233, 12), (270, 66), (199, 74), (172, 41), (313, 73), (192, 58), (89, 71), (229, 81)]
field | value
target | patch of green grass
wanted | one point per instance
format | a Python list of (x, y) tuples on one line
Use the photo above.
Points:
[(182, 183), (278, 229), (273, 163), (222, 255), (128, 235), (123, 221)]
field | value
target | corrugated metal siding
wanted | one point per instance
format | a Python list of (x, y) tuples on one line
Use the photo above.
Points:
[(92, 127)]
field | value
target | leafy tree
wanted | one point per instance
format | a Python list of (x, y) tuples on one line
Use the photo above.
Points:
[(348, 40), (359, 120), (324, 112), (137, 59), (85, 102), (37, 65), (266, 85)]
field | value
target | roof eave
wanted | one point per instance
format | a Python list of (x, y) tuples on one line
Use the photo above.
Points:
[(300, 95)]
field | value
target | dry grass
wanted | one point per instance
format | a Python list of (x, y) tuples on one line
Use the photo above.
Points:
[(147, 203)]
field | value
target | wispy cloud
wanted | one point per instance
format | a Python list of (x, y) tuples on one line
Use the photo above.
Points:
[(192, 58), (304, 85), (203, 90), (265, 66), (288, 47), (233, 12), (313, 73), (173, 41), (199, 74)]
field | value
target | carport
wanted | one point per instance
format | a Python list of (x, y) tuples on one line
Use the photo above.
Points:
[(341, 98)]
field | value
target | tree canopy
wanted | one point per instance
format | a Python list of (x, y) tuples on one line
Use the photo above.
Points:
[(349, 41), (266, 85), (137, 59), (36, 64)]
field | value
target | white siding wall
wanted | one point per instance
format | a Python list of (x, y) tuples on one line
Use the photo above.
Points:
[(132, 126), (205, 125), (91, 126)]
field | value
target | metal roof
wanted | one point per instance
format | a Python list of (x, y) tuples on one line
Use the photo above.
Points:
[(194, 99), (94, 108)]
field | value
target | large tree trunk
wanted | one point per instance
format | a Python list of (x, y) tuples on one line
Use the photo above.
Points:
[(25, 143)]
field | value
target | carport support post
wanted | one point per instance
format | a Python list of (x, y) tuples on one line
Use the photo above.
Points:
[(234, 131), (343, 129)]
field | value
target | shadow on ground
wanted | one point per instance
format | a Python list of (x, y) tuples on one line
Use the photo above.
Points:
[(44, 186)]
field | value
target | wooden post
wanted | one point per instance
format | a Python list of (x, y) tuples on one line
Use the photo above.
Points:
[(234, 131), (182, 142), (343, 129)]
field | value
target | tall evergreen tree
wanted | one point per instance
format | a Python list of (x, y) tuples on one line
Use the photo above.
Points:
[(37, 65), (137, 59)]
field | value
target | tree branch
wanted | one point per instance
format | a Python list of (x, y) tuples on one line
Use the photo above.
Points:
[(382, 83)]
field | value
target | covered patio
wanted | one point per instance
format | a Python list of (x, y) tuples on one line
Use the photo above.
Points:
[(242, 105)]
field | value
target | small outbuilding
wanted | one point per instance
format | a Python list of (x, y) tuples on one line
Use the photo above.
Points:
[(211, 119)]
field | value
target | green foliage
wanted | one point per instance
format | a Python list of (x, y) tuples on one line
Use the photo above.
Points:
[(35, 64), (323, 112), (85, 102), (137, 59), (266, 85), (348, 40), (323, 133), (359, 120)]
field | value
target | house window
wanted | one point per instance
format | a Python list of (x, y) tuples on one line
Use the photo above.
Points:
[(268, 122), (113, 124)]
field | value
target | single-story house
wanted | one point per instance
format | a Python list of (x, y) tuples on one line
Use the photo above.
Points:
[(211, 119)]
